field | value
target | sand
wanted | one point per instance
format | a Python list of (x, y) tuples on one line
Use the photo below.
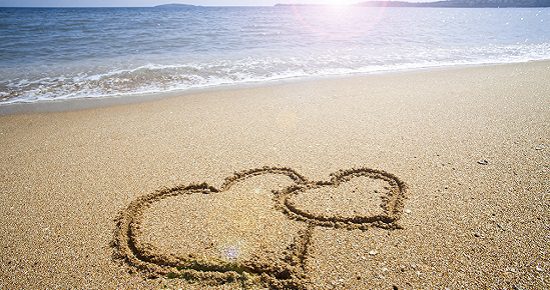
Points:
[(411, 180)]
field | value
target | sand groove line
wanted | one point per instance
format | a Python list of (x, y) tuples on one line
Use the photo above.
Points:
[(151, 262), (392, 203)]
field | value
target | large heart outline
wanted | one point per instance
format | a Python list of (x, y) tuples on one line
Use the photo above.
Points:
[(289, 273)]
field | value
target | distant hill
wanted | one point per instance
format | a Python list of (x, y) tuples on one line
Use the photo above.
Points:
[(453, 4), (462, 3), (176, 6)]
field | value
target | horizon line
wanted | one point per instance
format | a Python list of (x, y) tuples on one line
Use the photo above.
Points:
[(273, 5)]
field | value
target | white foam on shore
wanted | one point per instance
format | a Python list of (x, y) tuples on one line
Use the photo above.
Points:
[(159, 78)]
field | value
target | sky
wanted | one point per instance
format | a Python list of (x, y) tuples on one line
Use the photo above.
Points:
[(139, 3)]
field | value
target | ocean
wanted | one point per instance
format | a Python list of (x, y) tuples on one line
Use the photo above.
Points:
[(52, 54)]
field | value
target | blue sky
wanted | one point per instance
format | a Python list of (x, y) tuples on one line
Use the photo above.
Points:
[(135, 3)]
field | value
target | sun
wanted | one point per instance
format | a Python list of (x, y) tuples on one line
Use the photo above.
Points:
[(337, 2)]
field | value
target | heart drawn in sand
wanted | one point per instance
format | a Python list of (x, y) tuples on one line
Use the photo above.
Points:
[(255, 229)]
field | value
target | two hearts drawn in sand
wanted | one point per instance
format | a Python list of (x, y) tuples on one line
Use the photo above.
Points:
[(286, 271)]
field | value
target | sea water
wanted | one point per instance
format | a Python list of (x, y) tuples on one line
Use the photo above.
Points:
[(48, 54)]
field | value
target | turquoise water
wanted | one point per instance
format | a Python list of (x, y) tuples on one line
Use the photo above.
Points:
[(48, 54)]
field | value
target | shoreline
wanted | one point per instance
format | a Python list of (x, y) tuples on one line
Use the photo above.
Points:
[(76, 104)]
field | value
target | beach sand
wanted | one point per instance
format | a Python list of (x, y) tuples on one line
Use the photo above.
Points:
[(441, 179)]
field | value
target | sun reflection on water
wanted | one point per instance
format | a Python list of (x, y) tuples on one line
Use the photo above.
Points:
[(338, 21)]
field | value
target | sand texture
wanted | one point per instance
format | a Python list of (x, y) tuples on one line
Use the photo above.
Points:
[(413, 180)]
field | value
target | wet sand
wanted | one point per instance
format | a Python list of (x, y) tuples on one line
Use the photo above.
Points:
[(414, 180)]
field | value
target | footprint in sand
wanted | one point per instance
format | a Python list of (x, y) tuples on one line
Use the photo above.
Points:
[(255, 229)]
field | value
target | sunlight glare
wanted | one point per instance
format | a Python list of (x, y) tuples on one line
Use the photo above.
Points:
[(337, 2)]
